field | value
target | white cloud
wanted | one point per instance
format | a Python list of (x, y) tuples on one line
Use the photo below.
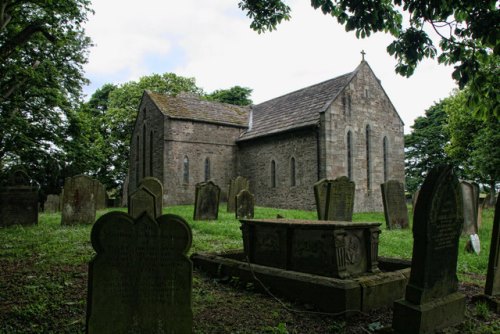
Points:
[(211, 41)]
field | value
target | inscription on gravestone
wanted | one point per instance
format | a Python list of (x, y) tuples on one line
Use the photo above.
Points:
[(140, 279), (18, 201), (155, 186), (395, 210), (235, 186), (78, 201), (140, 201), (433, 284), (245, 204), (335, 199), (206, 205)]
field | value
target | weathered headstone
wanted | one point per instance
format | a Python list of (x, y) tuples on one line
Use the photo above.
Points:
[(142, 200), (245, 203), (470, 196), (235, 186), (53, 203), (78, 201), (155, 186), (395, 210), (206, 205), (18, 201), (432, 301), (335, 199), (414, 201), (140, 280), (100, 195)]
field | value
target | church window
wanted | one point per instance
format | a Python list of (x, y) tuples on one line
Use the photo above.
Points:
[(185, 171), (273, 174), (349, 155), (144, 150), (368, 162), (386, 159), (151, 153), (207, 169), (346, 101), (367, 93), (137, 161), (293, 180)]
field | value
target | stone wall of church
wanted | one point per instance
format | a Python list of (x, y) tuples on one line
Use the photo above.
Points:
[(193, 149), (297, 148), (364, 111)]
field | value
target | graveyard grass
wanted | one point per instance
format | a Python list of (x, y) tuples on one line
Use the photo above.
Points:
[(43, 280)]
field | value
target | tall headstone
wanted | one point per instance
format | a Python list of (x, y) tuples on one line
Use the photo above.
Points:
[(142, 200), (18, 201), (206, 203), (470, 197), (155, 186), (100, 195), (140, 280), (395, 210), (431, 300), (235, 186), (335, 199), (78, 201), (414, 201), (53, 204), (245, 204)]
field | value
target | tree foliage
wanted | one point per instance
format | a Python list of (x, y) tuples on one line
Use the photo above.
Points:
[(236, 95), (469, 31)]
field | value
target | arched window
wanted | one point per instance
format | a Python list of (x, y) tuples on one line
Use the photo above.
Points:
[(368, 162), (137, 161), (207, 169), (293, 181), (151, 153), (349, 155), (386, 160), (144, 150), (185, 170), (273, 174), (346, 101)]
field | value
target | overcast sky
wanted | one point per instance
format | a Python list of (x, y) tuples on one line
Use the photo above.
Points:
[(211, 41)]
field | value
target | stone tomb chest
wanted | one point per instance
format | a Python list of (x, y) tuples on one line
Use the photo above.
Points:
[(327, 248)]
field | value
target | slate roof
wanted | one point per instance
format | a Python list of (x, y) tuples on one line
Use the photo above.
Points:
[(294, 110), (191, 107)]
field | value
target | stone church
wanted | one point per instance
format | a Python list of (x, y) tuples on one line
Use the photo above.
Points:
[(343, 126)]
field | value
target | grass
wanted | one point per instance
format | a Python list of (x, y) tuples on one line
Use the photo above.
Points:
[(44, 275)]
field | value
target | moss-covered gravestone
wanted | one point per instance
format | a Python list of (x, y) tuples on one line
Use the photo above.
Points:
[(206, 203), (140, 279), (155, 186), (79, 206), (470, 197), (142, 200), (235, 186), (52, 204), (431, 300), (335, 199), (245, 203), (395, 210)]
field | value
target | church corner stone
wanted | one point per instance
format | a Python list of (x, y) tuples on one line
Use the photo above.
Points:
[(431, 300)]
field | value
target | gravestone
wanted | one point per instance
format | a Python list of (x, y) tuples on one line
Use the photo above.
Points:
[(395, 210), (431, 300), (206, 204), (245, 203), (53, 203), (154, 185), (100, 195), (140, 280), (414, 201), (334, 199), (470, 197), (235, 186), (78, 201), (18, 201), (142, 200)]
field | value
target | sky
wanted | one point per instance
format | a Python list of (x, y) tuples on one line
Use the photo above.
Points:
[(211, 41)]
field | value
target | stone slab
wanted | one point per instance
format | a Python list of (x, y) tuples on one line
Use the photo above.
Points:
[(395, 209)]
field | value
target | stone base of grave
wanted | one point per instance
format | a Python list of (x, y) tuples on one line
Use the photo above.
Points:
[(333, 295), (493, 302), (444, 312)]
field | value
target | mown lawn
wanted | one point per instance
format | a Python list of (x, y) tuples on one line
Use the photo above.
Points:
[(43, 280)]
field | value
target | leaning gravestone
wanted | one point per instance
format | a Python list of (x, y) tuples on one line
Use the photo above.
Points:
[(206, 203), (245, 203), (140, 280), (154, 185), (18, 201), (395, 210), (78, 201), (52, 204), (431, 300), (235, 186), (335, 199), (140, 201), (470, 197)]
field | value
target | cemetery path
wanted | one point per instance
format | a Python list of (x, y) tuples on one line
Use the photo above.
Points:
[(39, 297)]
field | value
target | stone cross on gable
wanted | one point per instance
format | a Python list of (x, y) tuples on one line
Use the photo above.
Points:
[(363, 55)]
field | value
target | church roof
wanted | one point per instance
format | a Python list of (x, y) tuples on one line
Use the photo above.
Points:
[(192, 107), (295, 110)]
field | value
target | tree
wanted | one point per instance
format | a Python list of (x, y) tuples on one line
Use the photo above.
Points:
[(236, 95), (468, 30)]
